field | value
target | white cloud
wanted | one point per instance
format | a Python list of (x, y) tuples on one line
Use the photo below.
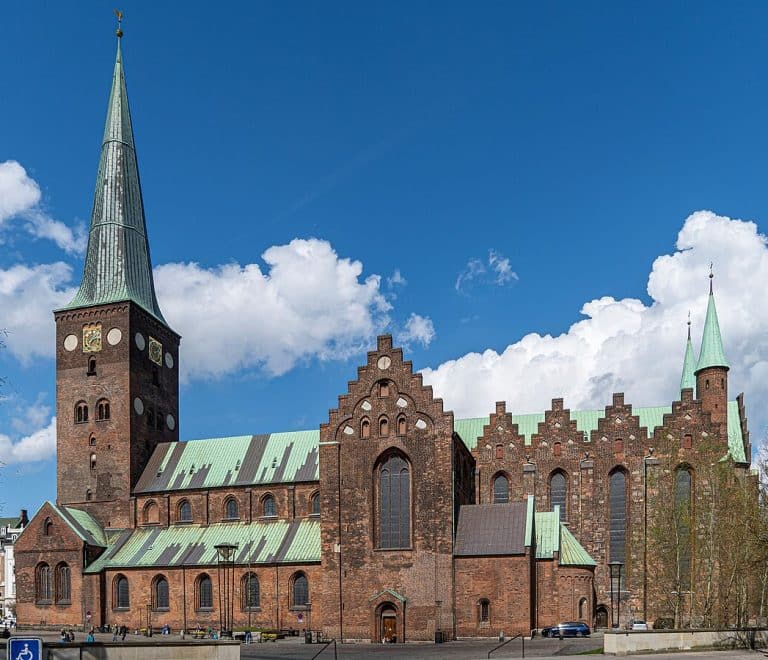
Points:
[(418, 329), (396, 279), (20, 197), (626, 345), (497, 270), (38, 446), (27, 296), (310, 303)]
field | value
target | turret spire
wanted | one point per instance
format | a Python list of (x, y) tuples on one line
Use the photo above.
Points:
[(687, 380), (117, 263), (711, 353)]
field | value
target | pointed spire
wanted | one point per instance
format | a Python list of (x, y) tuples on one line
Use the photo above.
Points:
[(117, 263), (687, 380), (711, 353)]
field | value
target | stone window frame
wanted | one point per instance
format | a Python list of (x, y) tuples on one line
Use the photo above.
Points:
[(81, 412), (43, 593), (484, 611), (265, 502), (145, 511), (121, 600), (314, 511), (292, 591), (157, 596), (182, 508), (103, 410), (203, 598), (244, 593), (228, 513), (62, 584), (500, 474)]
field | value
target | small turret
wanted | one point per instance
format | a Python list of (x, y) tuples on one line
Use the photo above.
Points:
[(688, 379), (712, 367)]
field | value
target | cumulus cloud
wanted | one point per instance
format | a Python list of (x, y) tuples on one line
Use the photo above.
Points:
[(495, 270), (396, 279), (27, 296), (37, 446), (627, 345), (418, 329), (20, 198), (309, 303)]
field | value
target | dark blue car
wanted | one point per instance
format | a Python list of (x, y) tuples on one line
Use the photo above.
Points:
[(567, 629)]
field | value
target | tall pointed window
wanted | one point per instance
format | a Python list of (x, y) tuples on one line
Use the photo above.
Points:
[(683, 523), (299, 591), (383, 427), (365, 429), (315, 505), (558, 492), (121, 596), (160, 600), (43, 583), (394, 503), (63, 587), (618, 517), (102, 410), (204, 589), (81, 412), (251, 593), (500, 489)]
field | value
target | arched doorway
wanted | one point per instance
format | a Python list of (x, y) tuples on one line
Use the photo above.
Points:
[(601, 617), (388, 624)]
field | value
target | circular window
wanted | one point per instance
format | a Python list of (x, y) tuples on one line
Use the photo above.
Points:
[(384, 362), (114, 336), (140, 342)]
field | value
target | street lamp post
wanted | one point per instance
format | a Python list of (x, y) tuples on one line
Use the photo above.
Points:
[(615, 571), (225, 553)]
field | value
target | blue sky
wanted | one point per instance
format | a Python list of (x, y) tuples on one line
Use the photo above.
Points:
[(461, 178)]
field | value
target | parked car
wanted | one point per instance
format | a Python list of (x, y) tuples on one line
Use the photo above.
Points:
[(567, 629), (637, 624)]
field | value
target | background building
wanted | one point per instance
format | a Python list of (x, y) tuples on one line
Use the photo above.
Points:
[(10, 528)]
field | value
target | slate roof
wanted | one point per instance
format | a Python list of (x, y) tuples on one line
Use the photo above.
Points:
[(117, 262), (491, 529), (280, 541)]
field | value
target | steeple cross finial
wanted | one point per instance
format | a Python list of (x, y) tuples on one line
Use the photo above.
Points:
[(119, 31), (689, 324), (711, 276)]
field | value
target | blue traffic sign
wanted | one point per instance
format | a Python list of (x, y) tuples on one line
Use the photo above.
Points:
[(25, 648)]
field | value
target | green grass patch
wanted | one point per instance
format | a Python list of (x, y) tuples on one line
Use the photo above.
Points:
[(598, 651)]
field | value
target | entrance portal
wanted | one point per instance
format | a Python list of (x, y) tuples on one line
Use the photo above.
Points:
[(388, 624), (601, 617)]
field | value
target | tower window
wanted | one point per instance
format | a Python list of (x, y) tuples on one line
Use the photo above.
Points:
[(91, 366), (102, 410), (92, 441), (706, 384), (81, 412), (150, 418), (155, 376), (88, 495), (722, 383), (93, 461)]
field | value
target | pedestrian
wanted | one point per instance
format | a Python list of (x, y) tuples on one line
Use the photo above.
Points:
[(89, 639), (123, 632), (64, 636), (114, 633)]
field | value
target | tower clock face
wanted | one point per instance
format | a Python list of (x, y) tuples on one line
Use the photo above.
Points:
[(92, 338), (155, 351)]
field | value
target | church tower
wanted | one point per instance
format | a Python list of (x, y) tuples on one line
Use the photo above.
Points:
[(712, 367), (117, 360)]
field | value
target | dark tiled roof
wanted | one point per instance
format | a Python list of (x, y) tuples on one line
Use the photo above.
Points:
[(491, 529)]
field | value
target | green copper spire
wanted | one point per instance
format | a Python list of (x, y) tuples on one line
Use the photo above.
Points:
[(117, 263), (711, 353), (687, 380)]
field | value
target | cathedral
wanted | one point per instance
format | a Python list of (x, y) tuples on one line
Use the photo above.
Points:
[(389, 521)]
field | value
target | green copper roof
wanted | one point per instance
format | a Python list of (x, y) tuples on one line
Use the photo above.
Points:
[(82, 524), (711, 354), (117, 263), (280, 541), (552, 536), (735, 438), (688, 380)]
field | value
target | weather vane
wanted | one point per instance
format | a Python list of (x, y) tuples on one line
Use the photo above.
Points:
[(119, 31)]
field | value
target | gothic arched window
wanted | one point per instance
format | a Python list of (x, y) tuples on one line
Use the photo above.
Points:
[(558, 492), (618, 516), (121, 597), (81, 412), (315, 505), (500, 489), (43, 583), (484, 610), (204, 589), (185, 511), (402, 425), (160, 600), (102, 410), (251, 593), (151, 513), (683, 522), (394, 503), (365, 429), (383, 427), (231, 510), (269, 506), (299, 590), (63, 587)]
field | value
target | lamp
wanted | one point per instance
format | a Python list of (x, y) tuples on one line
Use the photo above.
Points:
[(615, 571), (225, 554)]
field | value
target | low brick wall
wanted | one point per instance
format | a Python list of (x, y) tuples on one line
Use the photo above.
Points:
[(218, 650), (641, 641)]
